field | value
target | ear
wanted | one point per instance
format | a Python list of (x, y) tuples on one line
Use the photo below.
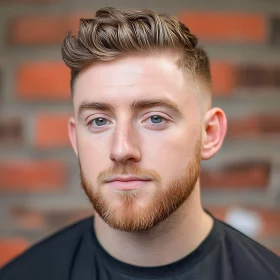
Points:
[(72, 134), (214, 130)]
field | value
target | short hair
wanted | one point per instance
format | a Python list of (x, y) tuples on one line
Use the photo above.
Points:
[(113, 33)]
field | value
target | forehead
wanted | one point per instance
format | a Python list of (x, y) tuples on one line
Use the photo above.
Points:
[(132, 78)]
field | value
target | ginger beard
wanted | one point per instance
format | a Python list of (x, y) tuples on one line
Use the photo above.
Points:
[(131, 216)]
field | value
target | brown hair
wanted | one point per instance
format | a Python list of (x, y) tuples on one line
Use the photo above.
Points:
[(113, 33)]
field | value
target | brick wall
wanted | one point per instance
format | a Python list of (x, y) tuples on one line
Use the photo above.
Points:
[(39, 180)]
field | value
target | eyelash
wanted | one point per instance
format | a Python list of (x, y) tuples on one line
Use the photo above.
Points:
[(153, 124)]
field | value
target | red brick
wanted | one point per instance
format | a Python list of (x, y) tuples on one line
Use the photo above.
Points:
[(254, 126), (271, 221), (10, 248), (28, 220), (44, 80), (36, 176), (223, 78), (10, 130), (258, 75), (239, 175), (46, 30), (61, 218), (56, 218), (226, 26), (51, 131), (275, 31), (33, 219)]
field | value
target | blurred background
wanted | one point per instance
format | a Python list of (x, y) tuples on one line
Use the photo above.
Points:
[(39, 177)]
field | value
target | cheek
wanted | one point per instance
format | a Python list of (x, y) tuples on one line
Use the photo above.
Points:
[(177, 142), (93, 154), (168, 154)]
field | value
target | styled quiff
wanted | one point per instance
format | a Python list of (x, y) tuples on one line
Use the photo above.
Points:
[(113, 33)]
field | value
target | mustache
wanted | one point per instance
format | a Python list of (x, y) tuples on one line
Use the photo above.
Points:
[(127, 169)]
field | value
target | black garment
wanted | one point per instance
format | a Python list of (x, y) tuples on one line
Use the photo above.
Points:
[(74, 253)]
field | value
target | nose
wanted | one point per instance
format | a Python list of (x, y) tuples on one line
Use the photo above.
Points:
[(124, 146)]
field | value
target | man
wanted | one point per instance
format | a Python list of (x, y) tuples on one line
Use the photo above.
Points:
[(142, 123)]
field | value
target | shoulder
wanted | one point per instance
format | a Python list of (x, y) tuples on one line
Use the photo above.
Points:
[(43, 257), (249, 258)]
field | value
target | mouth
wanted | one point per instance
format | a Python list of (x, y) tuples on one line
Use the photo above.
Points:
[(127, 182)]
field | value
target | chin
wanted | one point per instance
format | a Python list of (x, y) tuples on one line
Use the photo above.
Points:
[(128, 213), (127, 203)]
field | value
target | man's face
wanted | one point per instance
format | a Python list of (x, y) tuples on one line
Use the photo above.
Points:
[(137, 127)]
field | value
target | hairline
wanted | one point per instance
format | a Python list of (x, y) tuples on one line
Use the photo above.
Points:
[(177, 59)]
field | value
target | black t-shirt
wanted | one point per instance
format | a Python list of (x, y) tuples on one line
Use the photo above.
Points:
[(74, 253)]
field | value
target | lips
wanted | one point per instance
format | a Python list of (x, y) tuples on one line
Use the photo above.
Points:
[(126, 179), (126, 182)]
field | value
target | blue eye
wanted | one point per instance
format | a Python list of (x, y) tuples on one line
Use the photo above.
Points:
[(156, 119), (99, 121)]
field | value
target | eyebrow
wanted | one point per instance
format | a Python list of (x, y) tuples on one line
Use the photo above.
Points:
[(150, 103), (94, 106), (135, 105)]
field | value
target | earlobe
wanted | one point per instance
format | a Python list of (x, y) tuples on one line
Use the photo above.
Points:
[(214, 130), (72, 134)]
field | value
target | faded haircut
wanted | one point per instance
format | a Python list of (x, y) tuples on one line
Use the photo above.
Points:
[(114, 33)]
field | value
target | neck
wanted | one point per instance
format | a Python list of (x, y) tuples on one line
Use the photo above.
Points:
[(169, 241)]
